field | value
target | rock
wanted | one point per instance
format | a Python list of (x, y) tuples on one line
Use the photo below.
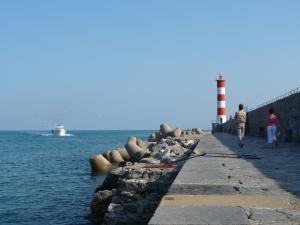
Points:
[(189, 133), (191, 146), (154, 197), (151, 145), (143, 144), (135, 151), (197, 152), (145, 206), (116, 158), (173, 158), (115, 215), (161, 151), (159, 147), (149, 160), (114, 207), (165, 129), (123, 152), (107, 155), (136, 185), (153, 148), (152, 137), (103, 196), (100, 164), (101, 201), (127, 196), (157, 134), (199, 131), (133, 173), (177, 149), (133, 139), (135, 190), (186, 143), (131, 207), (111, 180), (170, 141), (128, 164), (154, 174), (176, 132)]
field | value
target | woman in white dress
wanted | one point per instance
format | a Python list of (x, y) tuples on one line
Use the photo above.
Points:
[(271, 128)]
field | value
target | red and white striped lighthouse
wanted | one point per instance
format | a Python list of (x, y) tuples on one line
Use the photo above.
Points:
[(221, 116)]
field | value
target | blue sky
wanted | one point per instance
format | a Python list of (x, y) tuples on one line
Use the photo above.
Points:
[(134, 64)]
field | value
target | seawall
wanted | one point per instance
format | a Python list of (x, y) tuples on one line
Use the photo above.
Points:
[(287, 108)]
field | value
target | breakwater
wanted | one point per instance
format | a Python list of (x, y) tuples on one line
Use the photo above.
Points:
[(287, 108), (131, 192), (230, 185)]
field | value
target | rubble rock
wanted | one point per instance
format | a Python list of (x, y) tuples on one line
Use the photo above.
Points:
[(152, 137), (101, 201), (143, 144), (149, 160), (111, 180), (170, 141), (177, 149), (129, 195)]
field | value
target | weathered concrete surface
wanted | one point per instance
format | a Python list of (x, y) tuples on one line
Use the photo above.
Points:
[(219, 189), (188, 215)]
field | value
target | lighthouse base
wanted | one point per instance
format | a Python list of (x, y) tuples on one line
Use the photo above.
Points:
[(221, 119)]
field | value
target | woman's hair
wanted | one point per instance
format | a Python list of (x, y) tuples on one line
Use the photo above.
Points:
[(271, 110), (241, 106)]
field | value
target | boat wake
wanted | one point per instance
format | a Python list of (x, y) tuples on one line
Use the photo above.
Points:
[(46, 135), (62, 135), (66, 135)]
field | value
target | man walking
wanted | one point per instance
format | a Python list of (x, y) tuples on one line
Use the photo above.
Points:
[(240, 118)]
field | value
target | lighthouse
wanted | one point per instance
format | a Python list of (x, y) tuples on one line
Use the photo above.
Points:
[(221, 97)]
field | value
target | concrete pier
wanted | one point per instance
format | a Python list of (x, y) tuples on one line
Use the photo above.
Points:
[(221, 188)]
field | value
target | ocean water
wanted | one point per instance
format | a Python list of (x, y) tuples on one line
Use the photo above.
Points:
[(46, 179)]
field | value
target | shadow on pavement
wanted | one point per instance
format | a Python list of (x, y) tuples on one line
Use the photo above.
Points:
[(280, 164)]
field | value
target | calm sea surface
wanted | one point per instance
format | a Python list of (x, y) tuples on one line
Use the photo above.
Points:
[(46, 179)]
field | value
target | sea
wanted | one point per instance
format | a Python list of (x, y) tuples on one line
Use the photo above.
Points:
[(46, 179)]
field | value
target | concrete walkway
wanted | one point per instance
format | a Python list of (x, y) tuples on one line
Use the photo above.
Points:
[(218, 189)]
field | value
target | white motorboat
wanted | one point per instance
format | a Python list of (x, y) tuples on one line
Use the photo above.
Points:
[(59, 130)]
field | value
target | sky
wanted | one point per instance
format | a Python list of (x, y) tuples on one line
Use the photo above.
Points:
[(135, 64)]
